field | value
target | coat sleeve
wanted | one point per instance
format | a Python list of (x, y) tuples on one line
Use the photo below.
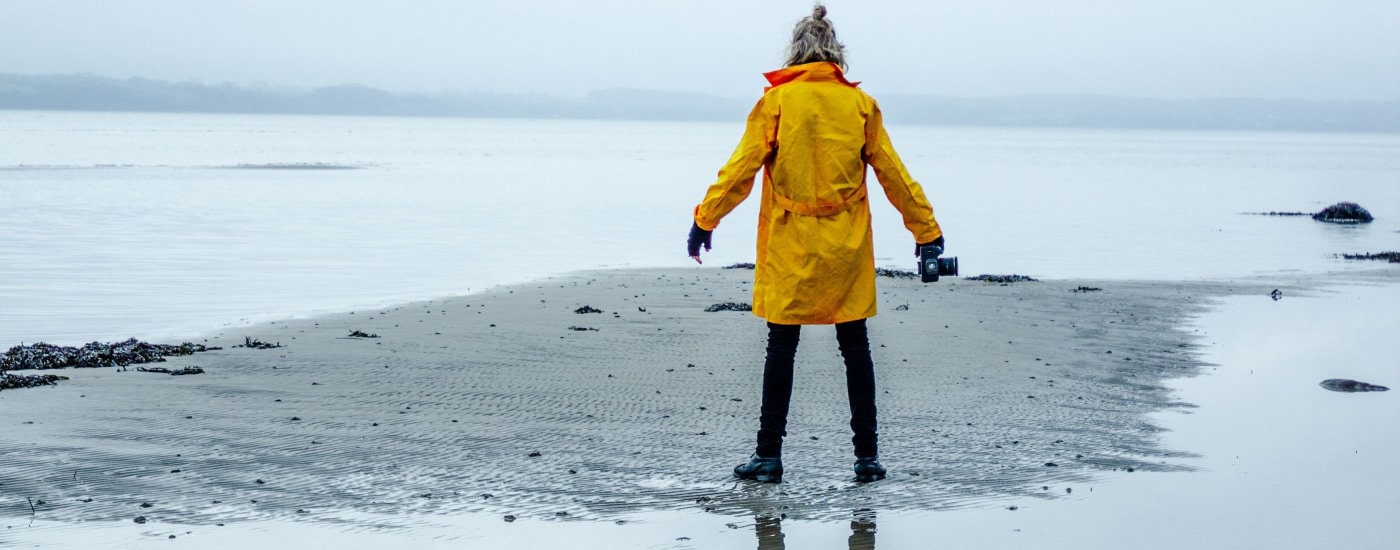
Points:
[(905, 193), (736, 177)]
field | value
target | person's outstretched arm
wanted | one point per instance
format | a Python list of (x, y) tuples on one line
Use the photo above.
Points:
[(735, 179), (905, 193)]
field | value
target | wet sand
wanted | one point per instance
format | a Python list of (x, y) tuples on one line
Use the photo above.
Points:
[(497, 404)]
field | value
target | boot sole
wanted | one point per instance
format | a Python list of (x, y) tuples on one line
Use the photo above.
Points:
[(869, 478), (763, 479)]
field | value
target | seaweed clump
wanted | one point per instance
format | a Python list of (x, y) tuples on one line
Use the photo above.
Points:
[(254, 343), (1392, 256), (587, 309), (1003, 279), (895, 273), (1350, 386), (729, 306), (175, 372), (16, 381), (1344, 212), (740, 265), (43, 356)]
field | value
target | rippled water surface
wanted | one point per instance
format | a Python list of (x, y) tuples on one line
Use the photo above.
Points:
[(166, 225)]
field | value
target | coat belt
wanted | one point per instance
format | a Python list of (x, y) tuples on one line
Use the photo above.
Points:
[(819, 209)]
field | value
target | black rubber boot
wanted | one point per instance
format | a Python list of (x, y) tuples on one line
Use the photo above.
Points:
[(766, 470), (869, 469)]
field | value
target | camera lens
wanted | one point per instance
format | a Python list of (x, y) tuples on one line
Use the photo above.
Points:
[(947, 266)]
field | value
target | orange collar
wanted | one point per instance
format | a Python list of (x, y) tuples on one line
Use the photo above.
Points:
[(821, 71)]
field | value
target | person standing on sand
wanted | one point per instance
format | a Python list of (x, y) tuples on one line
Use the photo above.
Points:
[(814, 133)]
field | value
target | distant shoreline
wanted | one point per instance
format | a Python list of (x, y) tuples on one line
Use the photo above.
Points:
[(80, 92)]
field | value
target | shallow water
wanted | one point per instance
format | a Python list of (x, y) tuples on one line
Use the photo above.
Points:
[(165, 225)]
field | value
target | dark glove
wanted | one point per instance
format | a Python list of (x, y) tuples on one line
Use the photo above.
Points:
[(697, 237), (937, 242)]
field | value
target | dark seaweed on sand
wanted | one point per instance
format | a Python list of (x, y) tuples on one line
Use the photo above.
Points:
[(176, 372), (95, 354), (729, 306), (254, 343), (587, 309), (1392, 256), (895, 273), (16, 381), (362, 334), (740, 265), (1003, 279), (1347, 385)]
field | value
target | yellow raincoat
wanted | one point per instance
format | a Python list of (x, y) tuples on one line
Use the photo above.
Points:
[(813, 133)]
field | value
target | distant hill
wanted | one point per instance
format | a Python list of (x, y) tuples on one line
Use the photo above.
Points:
[(93, 93)]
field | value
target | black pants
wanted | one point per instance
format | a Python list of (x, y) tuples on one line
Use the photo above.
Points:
[(777, 386)]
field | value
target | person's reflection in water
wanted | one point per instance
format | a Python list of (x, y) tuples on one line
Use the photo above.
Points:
[(770, 532), (862, 531)]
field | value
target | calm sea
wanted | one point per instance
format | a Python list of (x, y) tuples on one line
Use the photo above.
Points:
[(165, 226)]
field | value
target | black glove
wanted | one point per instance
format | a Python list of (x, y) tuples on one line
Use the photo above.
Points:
[(937, 242), (697, 237)]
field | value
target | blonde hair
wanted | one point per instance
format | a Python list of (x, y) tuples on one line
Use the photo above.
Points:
[(814, 39)]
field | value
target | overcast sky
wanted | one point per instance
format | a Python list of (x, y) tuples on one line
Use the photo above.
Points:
[(1303, 49)]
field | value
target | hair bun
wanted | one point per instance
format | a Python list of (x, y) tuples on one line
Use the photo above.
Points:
[(818, 12)]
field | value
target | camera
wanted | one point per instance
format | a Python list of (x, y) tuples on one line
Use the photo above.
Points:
[(931, 265)]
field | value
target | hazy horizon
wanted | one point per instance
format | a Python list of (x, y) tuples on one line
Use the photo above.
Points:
[(92, 93), (1292, 49)]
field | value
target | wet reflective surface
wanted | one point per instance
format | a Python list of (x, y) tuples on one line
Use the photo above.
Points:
[(1274, 462)]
